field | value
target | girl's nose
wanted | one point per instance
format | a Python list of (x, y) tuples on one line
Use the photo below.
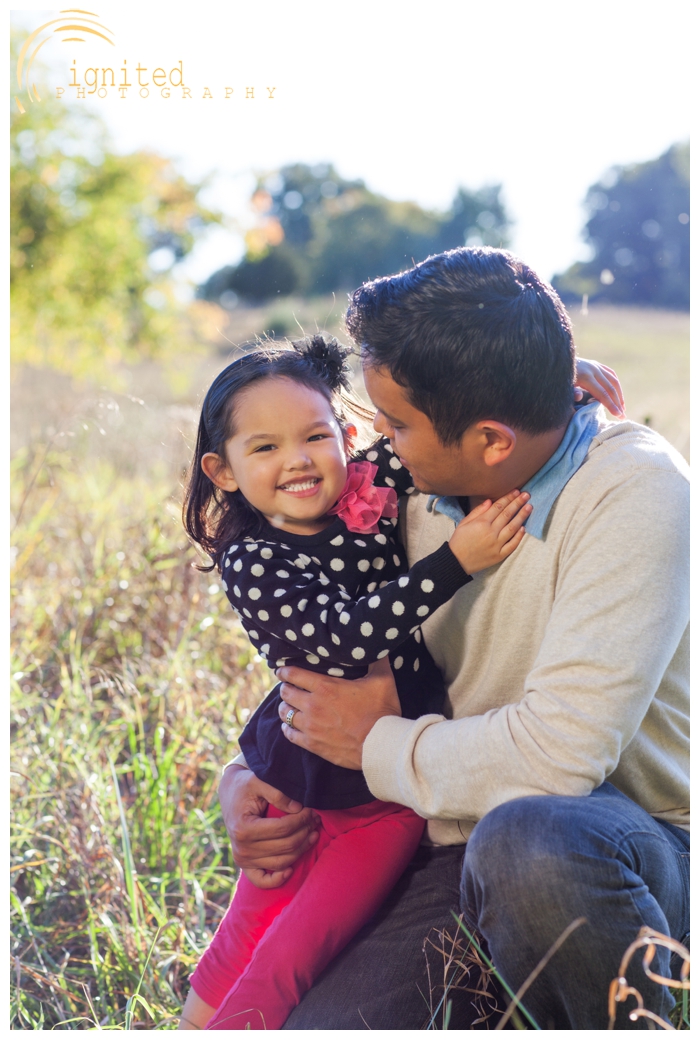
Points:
[(298, 459), (380, 424)]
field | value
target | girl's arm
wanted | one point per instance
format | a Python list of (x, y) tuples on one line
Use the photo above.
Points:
[(288, 595), (601, 383)]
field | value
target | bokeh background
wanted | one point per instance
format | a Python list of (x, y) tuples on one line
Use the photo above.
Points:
[(151, 240)]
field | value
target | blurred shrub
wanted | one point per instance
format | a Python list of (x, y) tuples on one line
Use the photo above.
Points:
[(93, 234), (317, 233), (639, 229)]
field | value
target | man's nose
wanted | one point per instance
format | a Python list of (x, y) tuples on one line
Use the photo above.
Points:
[(380, 424)]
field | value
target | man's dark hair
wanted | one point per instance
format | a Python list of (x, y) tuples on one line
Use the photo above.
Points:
[(470, 334)]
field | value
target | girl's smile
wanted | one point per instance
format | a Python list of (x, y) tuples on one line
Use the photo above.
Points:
[(287, 456)]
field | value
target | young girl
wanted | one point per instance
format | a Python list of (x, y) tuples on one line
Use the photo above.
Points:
[(306, 545)]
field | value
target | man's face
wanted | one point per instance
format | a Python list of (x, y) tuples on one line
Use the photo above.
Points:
[(436, 469)]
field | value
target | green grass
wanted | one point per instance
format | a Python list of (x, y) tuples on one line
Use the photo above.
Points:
[(131, 678)]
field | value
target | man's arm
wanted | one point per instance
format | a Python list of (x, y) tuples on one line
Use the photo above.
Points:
[(620, 610)]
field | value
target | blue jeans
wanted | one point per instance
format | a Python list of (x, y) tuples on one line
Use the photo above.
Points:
[(531, 867), (534, 865)]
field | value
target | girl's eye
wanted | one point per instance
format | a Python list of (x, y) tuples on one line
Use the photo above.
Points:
[(318, 437), (264, 447)]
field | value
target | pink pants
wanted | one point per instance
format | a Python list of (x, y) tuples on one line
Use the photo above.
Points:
[(273, 943)]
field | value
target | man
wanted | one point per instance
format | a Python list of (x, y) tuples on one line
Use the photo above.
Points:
[(561, 759)]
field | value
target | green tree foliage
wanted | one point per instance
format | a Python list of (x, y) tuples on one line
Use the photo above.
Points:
[(639, 229), (318, 232), (84, 222)]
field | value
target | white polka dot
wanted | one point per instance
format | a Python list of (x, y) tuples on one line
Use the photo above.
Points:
[(247, 613), (304, 558), (394, 463), (337, 564), (427, 585), (382, 653), (383, 584), (336, 639), (366, 628), (338, 607), (308, 629), (344, 618), (371, 456), (286, 610), (225, 585), (343, 593), (389, 482), (381, 538), (373, 602), (227, 563), (396, 560), (372, 586), (414, 629), (403, 581), (302, 604), (257, 569), (316, 560), (324, 579), (422, 611), (410, 490), (388, 447), (378, 563), (306, 574), (416, 635), (282, 574), (266, 553), (265, 649), (358, 653), (279, 592), (391, 633), (312, 659), (322, 651), (232, 549), (397, 607), (238, 565), (263, 615), (251, 548), (336, 671), (398, 662), (324, 615), (394, 520), (338, 540), (253, 634), (363, 565), (290, 634), (358, 541), (281, 661), (252, 593), (323, 598)]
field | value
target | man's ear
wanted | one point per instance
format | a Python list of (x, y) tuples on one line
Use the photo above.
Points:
[(218, 471), (497, 441)]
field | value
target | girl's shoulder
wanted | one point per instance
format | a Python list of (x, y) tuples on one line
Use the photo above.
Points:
[(390, 471)]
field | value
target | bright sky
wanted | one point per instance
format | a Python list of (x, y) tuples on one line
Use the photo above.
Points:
[(542, 97)]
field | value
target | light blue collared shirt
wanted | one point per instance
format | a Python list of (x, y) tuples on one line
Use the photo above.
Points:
[(548, 483)]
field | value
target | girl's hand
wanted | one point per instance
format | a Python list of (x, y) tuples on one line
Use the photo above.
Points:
[(491, 532), (602, 383)]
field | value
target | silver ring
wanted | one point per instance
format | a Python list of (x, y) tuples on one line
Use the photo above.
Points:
[(290, 717)]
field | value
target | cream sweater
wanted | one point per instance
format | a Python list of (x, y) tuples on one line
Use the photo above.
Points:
[(567, 664)]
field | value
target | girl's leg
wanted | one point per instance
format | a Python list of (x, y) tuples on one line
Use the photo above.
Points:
[(349, 881), (250, 914)]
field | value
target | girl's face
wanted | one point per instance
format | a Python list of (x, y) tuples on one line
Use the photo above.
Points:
[(288, 456)]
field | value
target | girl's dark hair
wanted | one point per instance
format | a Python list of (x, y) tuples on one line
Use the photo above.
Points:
[(214, 518)]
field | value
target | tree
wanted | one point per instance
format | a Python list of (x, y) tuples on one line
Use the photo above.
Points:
[(318, 232), (639, 230), (84, 222)]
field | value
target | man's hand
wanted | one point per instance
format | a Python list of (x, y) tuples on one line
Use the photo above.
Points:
[(264, 849), (333, 716)]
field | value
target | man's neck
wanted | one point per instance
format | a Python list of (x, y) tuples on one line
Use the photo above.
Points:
[(528, 457)]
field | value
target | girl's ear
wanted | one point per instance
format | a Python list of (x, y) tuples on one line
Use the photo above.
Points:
[(349, 435), (218, 471)]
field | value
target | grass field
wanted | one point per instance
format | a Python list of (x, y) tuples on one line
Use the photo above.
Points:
[(131, 678)]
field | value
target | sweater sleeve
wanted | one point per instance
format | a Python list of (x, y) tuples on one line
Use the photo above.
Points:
[(296, 601), (619, 613), (390, 472)]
